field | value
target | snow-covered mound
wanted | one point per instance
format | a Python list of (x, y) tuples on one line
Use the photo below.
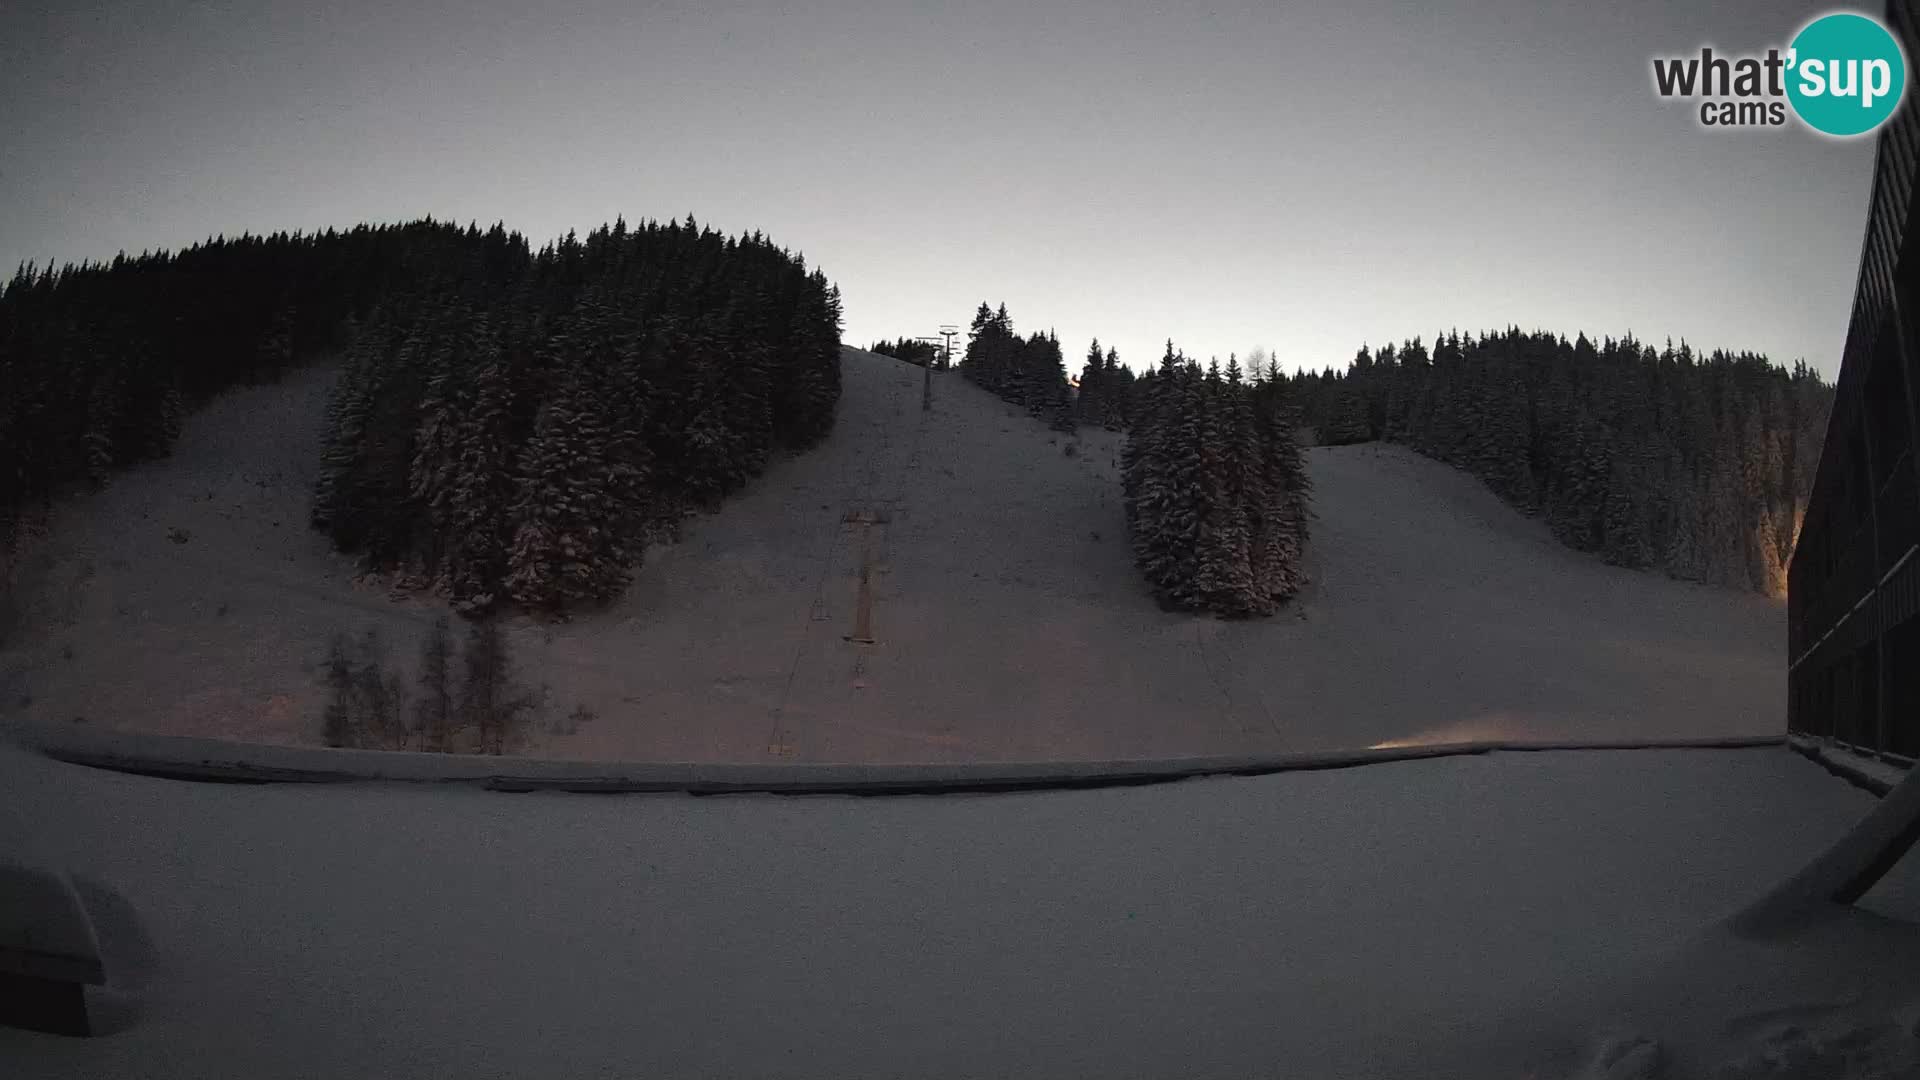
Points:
[(1005, 617)]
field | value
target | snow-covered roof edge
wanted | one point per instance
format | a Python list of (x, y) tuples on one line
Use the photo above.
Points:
[(235, 762)]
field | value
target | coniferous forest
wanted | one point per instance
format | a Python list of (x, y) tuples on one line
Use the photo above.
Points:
[(508, 426), (519, 438), (1215, 487), (917, 353), (1104, 395), (1029, 372), (1216, 490), (511, 425), (101, 361), (1698, 466)]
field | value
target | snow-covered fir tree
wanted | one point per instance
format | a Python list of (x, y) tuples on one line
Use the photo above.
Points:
[(1030, 372), (1215, 490)]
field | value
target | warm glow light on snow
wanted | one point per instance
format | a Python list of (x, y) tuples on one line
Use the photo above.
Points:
[(1488, 728)]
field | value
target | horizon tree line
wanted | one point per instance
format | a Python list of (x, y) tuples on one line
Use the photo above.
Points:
[(509, 427), (519, 441), (101, 361), (913, 351), (1698, 466), (1104, 394), (1028, 372)]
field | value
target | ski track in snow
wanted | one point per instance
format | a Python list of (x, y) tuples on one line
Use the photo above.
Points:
[(1009, 622)]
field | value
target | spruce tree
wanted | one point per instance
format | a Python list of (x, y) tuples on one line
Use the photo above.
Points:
[(578, 484), (1239, 489), (1116, 389), (1216, 492), (1286, 493), (1090, 404), (1213, 576), (461, 469)]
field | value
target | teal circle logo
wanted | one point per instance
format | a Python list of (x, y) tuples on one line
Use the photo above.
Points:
[(1845, 74)]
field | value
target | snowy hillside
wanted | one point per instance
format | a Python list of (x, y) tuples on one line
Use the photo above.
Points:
[(1006, 619)]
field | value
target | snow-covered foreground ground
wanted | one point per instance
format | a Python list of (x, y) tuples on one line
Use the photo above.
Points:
[(1509, 915), (1007, 619)]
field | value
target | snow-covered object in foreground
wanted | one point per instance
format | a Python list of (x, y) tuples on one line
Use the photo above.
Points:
[(1501, 915), (48, 953)]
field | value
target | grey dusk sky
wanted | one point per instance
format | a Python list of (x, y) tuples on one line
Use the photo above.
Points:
[(1302, 177)]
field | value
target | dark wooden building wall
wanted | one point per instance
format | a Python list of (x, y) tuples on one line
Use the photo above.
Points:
[(1853, 589)]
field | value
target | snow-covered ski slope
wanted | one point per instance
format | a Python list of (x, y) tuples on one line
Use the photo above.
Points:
[(1005, 617)]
